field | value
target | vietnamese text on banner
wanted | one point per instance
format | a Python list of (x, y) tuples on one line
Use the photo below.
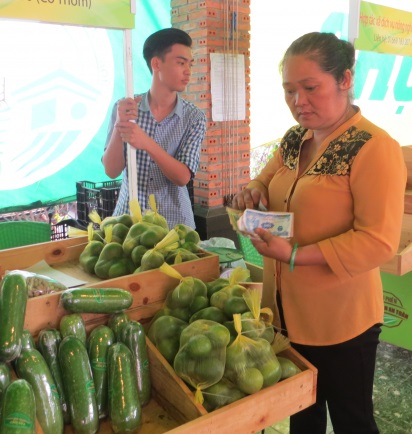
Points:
[(384, 30), (95, 13)]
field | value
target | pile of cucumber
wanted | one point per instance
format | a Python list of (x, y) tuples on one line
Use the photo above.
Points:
[(66, 376)]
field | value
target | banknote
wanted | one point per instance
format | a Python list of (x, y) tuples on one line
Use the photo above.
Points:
[(245, 222)]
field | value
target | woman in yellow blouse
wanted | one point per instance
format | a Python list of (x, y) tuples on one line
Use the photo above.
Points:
[(344, 179)]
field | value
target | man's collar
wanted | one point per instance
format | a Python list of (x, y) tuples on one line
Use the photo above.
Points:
[(178, 109)]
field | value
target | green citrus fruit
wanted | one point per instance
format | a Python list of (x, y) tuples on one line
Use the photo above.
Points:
[(199, 346), (250, 380)]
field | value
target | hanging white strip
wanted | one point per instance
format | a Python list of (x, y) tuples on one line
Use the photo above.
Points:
[(131, 154), (353, 22)]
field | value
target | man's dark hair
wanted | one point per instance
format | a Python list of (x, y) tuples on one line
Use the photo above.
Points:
[(160, 43)]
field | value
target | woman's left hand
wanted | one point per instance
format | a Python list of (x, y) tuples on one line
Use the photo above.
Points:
[(272, 246)]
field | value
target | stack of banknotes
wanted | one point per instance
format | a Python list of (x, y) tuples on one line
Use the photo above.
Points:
[(245, 222)]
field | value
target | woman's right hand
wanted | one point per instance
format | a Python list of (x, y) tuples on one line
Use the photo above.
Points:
[(248, 198)]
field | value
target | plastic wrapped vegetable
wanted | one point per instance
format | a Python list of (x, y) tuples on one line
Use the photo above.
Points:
[(48, 342), (116, 322), (134, 336), (200, 361), (251, 364), (38, 284), (165, 332), (101, 338)]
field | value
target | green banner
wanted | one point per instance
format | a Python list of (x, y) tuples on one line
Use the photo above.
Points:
[(58, 84), (384, 30), (114, 14)]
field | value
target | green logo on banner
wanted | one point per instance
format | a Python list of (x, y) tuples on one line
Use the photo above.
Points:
[(52, 107), (395, 313)]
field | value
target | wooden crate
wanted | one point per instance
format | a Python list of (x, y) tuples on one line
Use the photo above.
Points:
[(64, 255), (172, 408), (54, 253)]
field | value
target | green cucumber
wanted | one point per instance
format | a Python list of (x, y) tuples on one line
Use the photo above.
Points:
[(100, 339), (134, 336), (5, 380), (27, 340), (31, 366), (116, 322), (96, 300), (13, 300), (19, 409), (78, 385), (5, 377), (48, 342), (125, 411), (73, 325)]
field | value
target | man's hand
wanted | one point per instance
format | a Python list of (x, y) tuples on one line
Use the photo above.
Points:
[(127, 114), (127, 109)]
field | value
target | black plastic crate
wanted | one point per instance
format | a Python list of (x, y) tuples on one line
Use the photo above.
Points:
[(60, 231), (99, 196)]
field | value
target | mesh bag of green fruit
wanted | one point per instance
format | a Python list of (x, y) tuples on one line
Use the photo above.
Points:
[(189, 238), (112, 261), (152, 215), (251, 364), (164, 331), (222, 393), (180, 255), (186, 298), (200, 361), (230, 298), (257, 322), (155, 256)]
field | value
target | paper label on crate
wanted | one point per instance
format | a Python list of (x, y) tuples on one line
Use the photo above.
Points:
[(42, 267), (277, 223)]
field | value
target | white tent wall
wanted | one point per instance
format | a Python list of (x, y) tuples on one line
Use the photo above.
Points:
[(383, 82)]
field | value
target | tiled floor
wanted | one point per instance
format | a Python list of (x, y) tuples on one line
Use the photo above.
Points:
[(392, 393)]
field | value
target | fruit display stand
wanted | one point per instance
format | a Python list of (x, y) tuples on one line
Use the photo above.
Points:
[(397, 276), (172, 408)]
